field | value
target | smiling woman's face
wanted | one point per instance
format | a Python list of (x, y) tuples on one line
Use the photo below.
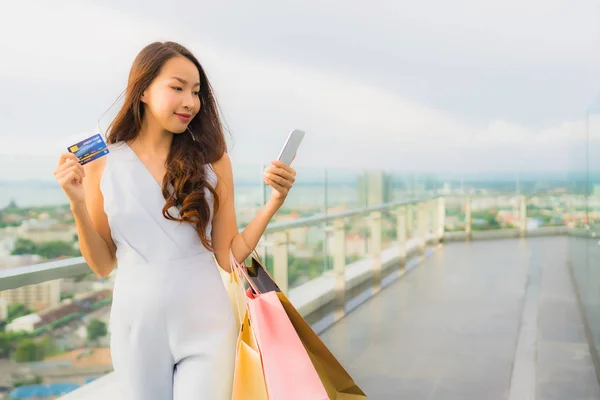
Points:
[(173, 98)]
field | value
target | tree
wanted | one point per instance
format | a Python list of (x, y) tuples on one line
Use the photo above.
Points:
[(48, 250), (36, 380), (9, 342), (16, 311), (48, 346), (96, 329), (24, 246), (5, 346), (56, 249), (28, 351)]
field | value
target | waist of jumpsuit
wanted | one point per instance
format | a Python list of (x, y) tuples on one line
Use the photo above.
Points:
[(132, 262)]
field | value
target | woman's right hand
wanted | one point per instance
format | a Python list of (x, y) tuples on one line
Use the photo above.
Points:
[(69, 174)]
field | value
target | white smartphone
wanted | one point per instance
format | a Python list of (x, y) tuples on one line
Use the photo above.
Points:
[(288, 152)]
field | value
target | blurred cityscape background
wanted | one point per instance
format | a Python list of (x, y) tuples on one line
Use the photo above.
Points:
[(57, 331), (493, 106)]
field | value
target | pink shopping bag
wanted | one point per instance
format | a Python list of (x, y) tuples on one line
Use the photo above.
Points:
[(287, 368)]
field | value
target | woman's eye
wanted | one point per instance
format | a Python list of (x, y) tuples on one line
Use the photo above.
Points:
[(197, 94), (176, 88)]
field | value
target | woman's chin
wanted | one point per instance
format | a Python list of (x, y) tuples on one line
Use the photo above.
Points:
[(177, 129)]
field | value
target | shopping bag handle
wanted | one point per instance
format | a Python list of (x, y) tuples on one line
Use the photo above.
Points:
[(239, 269)]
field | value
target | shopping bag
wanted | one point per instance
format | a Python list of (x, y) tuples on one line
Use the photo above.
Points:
[(338, 383), (288, 371), (236, 293), (248, 378)]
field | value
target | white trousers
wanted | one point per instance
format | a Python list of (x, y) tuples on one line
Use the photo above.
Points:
[(173, 332)]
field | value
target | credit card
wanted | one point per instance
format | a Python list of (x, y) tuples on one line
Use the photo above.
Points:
[(89, 149)]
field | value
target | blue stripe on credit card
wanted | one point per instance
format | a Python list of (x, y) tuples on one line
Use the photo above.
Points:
[(89, 149)]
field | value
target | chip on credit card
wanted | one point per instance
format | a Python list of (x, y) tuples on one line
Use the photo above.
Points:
[(89, 149)]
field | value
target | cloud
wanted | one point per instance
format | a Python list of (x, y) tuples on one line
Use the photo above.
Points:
[(86, 48), (69, 42)]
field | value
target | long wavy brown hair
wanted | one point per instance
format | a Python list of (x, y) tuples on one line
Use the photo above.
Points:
[(203, 142)]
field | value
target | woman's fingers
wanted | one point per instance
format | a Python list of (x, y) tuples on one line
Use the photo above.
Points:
[(68, 168)]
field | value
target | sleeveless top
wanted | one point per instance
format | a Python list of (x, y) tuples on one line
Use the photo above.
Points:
[(133, 203)]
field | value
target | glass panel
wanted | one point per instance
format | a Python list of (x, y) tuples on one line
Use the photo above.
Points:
[(357, 239), (455, 213), (31, 191), (307, 197), (584, 219), (402, 187), (546, 210), (306, 254), (249, 191), (593, 204), (388, 227), (496, 212), (56, 332), (345, 189)]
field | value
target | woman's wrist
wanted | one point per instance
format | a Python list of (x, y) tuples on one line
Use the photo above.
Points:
[(274, 204)]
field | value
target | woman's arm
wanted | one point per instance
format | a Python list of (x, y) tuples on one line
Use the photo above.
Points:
[(225, 234), (91, 222)]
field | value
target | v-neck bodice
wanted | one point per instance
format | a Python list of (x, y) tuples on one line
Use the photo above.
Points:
[(133, 203)]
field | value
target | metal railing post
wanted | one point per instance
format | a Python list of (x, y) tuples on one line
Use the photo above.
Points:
[(441, 210), (410, 220), (280, 260), (401, 234), (376, 236), (339, 266), (523, 215), (468, 204), (421, 223)]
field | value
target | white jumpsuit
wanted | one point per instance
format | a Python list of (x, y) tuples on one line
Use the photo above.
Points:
[(173, 331)]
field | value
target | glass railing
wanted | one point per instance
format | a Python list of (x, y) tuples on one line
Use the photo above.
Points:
[(54, 312), (62, 319), (584, 244)]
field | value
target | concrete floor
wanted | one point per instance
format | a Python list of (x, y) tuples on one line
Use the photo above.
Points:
[(456, 326)]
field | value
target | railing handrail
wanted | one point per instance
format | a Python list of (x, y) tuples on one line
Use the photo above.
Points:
[(17, 277), (12, 278), (324, 218), (498, 195)]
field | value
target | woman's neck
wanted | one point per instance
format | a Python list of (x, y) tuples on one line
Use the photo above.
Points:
[(153, 140)]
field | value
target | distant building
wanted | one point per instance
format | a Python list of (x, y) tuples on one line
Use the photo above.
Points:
[(375, 187), (34, 297), (42, 233), (27, 323), (446, 189), (3, 310), (51, 314), (81, 303), (7, 244), (11, 261)]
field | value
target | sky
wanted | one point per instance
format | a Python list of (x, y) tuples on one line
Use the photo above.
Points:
[(435, 85)]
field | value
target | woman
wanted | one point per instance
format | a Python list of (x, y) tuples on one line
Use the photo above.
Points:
[(161, 204)]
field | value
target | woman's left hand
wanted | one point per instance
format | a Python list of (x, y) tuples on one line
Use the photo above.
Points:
[(280, 177)]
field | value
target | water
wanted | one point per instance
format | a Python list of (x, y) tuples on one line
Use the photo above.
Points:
[(48, 193), (31, 194)]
